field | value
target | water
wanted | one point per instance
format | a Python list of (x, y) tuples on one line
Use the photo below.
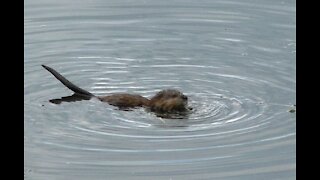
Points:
[(234, 59)]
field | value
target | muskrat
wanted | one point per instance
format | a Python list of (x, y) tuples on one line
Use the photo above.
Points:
[(165, 101)]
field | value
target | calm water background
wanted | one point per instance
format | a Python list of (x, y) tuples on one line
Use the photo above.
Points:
[(236, 61)]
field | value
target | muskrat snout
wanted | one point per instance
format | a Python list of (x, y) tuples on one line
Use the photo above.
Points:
[(184, 97)]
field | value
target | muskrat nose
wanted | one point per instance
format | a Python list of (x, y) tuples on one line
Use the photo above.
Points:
[(184, 97)]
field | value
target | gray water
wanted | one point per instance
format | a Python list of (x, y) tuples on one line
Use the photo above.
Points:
[(235, 60)]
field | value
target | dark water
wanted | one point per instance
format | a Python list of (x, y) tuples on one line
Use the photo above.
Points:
[(235, 60)]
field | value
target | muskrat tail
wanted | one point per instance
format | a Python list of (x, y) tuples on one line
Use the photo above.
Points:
[(67, 83)]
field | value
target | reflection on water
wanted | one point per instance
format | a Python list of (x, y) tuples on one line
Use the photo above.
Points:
[(234, 60), (73, 98)]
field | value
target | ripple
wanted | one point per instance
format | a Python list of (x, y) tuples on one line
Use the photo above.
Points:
[(211, 109), (218, 114), (237, 72)]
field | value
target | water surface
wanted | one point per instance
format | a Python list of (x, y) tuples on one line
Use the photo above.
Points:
[(235, 60)]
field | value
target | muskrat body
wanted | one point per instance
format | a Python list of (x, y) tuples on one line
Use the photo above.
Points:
[(165, 101), (125, 100)]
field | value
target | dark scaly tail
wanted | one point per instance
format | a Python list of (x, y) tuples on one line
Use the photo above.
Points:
[(67, 83)]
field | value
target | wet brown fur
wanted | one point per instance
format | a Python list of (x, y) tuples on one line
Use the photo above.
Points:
[(165, 101)]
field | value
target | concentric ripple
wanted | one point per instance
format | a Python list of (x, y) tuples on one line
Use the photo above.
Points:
[(235, 62)]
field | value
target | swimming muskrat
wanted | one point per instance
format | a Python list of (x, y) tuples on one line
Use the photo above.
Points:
[(165, 101)]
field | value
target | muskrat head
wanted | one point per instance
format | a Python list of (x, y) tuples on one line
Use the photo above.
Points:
[(169, 100)]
